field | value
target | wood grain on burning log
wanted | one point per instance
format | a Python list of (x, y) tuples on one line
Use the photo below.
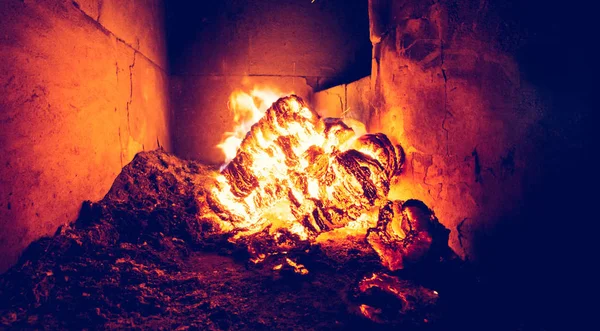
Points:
[(324, 174)]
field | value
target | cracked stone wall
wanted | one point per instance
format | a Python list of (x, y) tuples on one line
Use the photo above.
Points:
[(447, 86), (495, 102), (82, 89), (291, 45), (493, 113)]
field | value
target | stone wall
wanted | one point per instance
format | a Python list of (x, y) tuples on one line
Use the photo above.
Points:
[(82, 90), (447, 86), (352, 100)]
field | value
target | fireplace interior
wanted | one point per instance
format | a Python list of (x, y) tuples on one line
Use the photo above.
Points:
[(294, 164)]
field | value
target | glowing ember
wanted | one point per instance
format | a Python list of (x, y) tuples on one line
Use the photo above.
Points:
[(295, 176), (397, 288)]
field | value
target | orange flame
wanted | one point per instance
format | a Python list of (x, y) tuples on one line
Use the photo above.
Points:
[(296, 177), (293, 163), (248, 108)]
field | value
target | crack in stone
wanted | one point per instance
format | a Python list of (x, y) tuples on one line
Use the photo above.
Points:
[(339, 96), (446, 112), (412, 165), (460, 234), (345, 109), (31, 98), (425, 175), (440, 189), (10, 80), (477, 170), (121, 40), (445, 129), (100, 4), (385, 33), (130, 91), (120, 148)]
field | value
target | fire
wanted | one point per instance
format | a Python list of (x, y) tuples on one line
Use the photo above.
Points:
[(247, 108), (293, 176), (295, 159)]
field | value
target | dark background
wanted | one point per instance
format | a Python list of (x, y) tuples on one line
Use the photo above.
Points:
[(536, 258)]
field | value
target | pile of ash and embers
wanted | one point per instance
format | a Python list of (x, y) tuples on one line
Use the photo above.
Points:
[(295, 233)]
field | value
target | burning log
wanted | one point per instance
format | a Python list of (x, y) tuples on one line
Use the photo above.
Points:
[(318, 170), (297, 174)]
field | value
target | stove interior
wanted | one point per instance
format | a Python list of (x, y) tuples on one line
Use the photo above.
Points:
[(298, 164)]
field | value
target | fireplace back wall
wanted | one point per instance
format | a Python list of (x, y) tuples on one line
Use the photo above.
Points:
[(295, 46), (83, 86)]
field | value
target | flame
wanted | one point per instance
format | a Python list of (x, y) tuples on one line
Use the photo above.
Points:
[(292, 176), (297, 171), (247, 108)]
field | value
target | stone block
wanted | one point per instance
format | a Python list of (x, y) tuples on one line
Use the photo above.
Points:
[(351, 100), (331, 102)]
